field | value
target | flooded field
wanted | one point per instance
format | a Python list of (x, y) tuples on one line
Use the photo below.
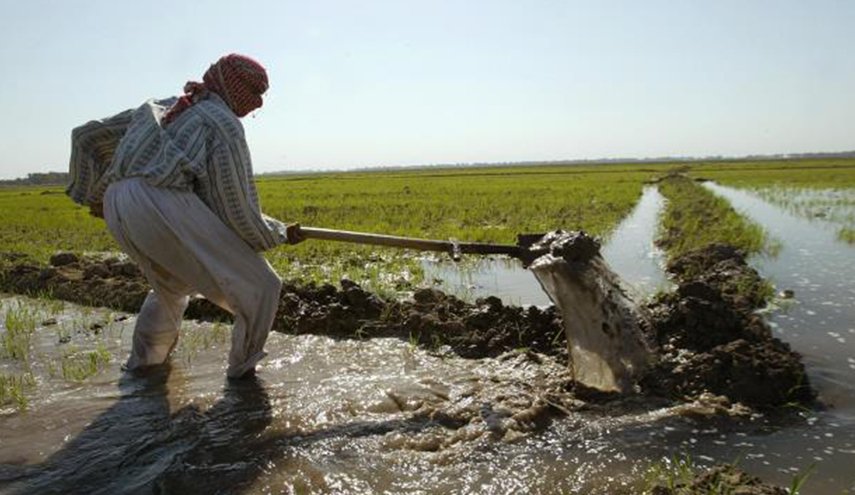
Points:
[(326, 415), (384, 415)]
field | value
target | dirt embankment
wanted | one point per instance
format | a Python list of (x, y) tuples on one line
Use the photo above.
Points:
[(710, 337), (707, 335)]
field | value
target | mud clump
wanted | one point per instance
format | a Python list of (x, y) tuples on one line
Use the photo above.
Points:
[(724, 478), (432, 319), (710, 338), (112, 282)]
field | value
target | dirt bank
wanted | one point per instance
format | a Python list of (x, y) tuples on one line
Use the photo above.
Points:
[(431, 318), (706, 334), (710, 337)]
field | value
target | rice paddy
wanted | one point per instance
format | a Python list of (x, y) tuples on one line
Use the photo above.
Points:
[(48, 346), (822, 190)]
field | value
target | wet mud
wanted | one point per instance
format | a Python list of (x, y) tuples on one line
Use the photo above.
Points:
[(706, 336), (711, 339), (722, 479), (486, 328), (713, 359)]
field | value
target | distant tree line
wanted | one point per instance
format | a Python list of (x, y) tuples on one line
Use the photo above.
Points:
[(583, 162), (39, 179)]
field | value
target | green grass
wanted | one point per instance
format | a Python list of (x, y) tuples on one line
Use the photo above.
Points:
[(695, 217), (13, 389), (194, 340), (670, 473), (819, 173), (833, 205), (486, 204), (814, 189), (846, 235), (675, 476), (20, 323), (40, 221), (77, 366)]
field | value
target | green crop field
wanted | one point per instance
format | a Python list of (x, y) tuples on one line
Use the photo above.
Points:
[(816, 189), (471, 204), (486, 204), (813, 173), (695, 217)]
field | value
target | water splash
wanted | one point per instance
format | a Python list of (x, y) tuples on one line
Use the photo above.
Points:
[(601, 321)]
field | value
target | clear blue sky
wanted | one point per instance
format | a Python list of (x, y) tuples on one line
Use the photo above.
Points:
[(374, 83)]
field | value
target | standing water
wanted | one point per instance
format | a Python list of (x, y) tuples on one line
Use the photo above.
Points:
[(323, 416), (630, 250), (819, 323)]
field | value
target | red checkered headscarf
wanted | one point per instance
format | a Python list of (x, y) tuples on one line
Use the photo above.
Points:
[(237, 79)]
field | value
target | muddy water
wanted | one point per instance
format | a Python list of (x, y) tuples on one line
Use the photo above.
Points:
[(324, 416), (629, 251)]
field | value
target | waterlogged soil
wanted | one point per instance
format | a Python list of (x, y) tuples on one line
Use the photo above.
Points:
[(721, 479), (706, 334), (710, 338), (499, 375), (430, 318)]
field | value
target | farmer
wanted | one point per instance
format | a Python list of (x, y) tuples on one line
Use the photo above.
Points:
[(173, 180)]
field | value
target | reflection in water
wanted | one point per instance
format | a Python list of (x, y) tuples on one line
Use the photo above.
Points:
[(630, 251)]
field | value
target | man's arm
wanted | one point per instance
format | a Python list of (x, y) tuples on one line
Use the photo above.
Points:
[(227, 187)]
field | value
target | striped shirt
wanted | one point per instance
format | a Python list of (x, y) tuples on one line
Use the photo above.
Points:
[(204, 150)]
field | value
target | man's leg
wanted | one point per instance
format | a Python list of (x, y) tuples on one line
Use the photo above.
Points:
[(253, 297), (180, 243), (156, 331), (159, 320)]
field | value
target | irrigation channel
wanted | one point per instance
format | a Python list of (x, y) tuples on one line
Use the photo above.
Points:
[(629, 250), (385, 416)]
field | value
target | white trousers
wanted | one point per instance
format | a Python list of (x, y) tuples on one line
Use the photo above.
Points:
[(183, 248)]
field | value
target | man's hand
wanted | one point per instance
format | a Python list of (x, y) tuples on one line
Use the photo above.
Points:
[(96, 210), (294, 234)]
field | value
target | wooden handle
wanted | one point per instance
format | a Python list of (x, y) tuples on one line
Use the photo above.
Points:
[(451, 247)]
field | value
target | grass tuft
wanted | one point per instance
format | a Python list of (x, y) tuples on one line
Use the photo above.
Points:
[(13, 389), (20, 322), (77, 366)]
